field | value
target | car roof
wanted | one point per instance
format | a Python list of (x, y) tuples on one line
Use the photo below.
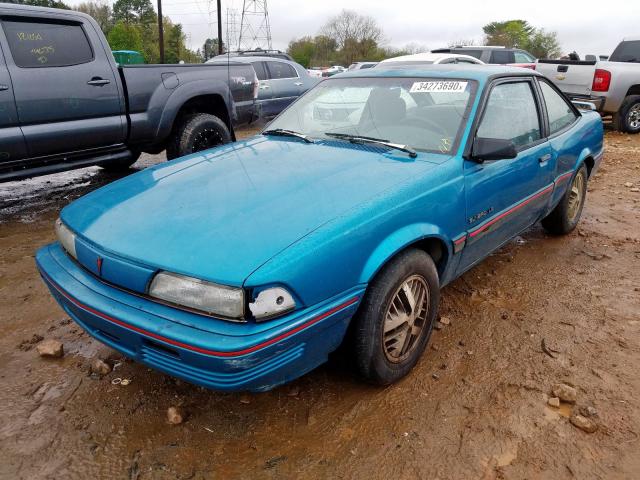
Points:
[(248, 59), (469, 72), (427, 57)]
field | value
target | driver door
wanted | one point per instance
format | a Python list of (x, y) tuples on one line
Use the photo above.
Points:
[(504, 197)]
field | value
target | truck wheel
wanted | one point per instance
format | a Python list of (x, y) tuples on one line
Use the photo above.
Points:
[(122, 164), (394, 321), (564, 218), (628, 117), (195, 133)]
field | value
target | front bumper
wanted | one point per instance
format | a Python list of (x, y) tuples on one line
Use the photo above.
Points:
[(231, 357)]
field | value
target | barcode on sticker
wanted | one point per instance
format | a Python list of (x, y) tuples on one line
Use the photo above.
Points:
[(432, 87)]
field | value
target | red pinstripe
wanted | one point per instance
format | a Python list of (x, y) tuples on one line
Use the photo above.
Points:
[(213, 353), (510, 211)]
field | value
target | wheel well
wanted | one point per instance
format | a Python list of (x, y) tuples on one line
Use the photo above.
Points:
[(437, 249), (433, 246), (634, 90), (211, 104), (589, 162)]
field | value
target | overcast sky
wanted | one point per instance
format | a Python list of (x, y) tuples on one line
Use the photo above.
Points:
[(582, 25)]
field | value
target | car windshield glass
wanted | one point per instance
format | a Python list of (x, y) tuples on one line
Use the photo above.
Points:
[(628, 51), (425, 114)]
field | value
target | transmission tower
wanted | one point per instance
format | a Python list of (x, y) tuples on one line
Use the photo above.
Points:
[(255, 31), (232, 28)]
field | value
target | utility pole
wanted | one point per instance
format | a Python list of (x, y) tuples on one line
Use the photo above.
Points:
[(161, 31), (220, 49)]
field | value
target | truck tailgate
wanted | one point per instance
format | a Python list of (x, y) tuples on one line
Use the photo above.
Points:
[(570, 76)]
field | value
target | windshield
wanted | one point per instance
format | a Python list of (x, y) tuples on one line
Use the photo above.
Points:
[(425, 114), (628, 51)]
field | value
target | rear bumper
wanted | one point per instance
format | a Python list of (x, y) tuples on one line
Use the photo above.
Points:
[(597, 102), (234, 357)]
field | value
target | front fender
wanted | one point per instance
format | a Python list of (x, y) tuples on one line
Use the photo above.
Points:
[(398, 241), (182, 94)]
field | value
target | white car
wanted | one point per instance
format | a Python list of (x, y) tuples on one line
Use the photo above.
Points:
[(429, 58), (315, 72), (331, 71)]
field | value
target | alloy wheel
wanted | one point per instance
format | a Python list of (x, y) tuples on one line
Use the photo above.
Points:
[(576, 195), (633, 117), (405, 318), (206, 138)]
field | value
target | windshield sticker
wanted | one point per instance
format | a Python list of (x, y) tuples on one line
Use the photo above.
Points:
[(433, 87)]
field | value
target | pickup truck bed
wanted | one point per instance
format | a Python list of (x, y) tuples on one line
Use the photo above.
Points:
[(612, 86), (65, 103)]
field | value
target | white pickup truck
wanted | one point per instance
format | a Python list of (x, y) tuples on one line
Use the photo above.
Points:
[(612, 86)]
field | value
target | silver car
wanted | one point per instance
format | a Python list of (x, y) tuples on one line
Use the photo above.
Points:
[(280, 81)]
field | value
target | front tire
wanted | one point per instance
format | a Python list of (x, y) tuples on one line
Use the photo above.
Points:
[(628, 117), (396, 317), (564, 218), (195, 133)]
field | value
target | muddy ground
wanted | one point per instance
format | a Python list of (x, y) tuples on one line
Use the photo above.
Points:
[(474, 407)]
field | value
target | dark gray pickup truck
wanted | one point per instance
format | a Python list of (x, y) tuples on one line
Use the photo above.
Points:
[(64, 103)]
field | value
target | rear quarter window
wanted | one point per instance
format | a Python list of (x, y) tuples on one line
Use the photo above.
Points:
[(280, 70), (501, 57), (628, 51), (475, 53), (47, 44)]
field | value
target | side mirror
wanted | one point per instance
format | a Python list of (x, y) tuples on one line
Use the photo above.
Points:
[(492, 149)]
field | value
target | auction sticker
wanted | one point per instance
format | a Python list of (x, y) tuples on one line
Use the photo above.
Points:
[(442, 86)]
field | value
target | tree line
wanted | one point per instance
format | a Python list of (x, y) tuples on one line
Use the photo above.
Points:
[(351, 37), (345, 38)]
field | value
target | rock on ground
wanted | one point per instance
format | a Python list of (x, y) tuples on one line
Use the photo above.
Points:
[(565, 392), (175, 415), (583, 423), (554, 402), (50, 348), (100, 367)]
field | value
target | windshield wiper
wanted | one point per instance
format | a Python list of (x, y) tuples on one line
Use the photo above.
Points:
[(377, 141), (283, 132)]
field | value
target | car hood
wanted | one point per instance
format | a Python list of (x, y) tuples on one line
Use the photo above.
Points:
[(221, 214)]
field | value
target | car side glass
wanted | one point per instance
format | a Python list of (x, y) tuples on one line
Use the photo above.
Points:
[(559, 112), (260, 70), (511, 114)]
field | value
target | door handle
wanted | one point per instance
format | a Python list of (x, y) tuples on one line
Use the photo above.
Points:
[(98, 82), (4, 87), (264, 87), (545, 158), (298, 84)]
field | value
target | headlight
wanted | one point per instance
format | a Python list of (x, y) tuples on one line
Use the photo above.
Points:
[(198, 294), (66, 238), (272, 302)]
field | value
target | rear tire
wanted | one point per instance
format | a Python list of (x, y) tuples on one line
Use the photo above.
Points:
[(122, 164), (627, 119), (195, 133), (564, 218), (387, 342)]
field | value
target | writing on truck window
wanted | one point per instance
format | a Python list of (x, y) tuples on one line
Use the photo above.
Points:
[(42, 44)]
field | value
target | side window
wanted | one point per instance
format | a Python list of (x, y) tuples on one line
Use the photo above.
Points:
[(47, 44), (523, 57), (501, 57), (511, 114), (558, 110), (471, 52), (261, 73), (281, 70)]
